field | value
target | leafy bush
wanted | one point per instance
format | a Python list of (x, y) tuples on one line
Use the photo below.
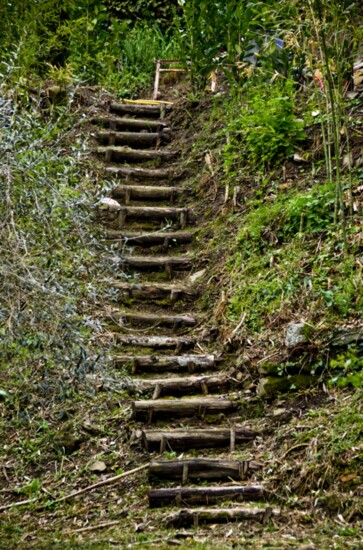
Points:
[(88, 41), (267, 126), (48, 257)]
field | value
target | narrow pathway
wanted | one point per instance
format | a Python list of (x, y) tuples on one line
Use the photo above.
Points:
[(184, 398)]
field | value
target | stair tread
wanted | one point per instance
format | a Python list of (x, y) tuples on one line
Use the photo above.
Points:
[(143, 173), (157, 341)]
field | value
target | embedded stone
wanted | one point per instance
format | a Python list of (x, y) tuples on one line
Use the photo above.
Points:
[(108, 204), (296, 333)]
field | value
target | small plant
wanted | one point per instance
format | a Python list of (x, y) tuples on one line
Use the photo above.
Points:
[(347, 369), (267, 128)]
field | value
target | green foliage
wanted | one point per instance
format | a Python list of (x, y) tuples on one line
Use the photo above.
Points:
[(216, 33), (276, 262), (143, 10), (47, 251), (84, 41), (267, 127), (347, 368)]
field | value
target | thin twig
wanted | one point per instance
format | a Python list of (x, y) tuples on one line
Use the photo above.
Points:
[(92, 527), (101, 484), (14, 504), (81, 491)]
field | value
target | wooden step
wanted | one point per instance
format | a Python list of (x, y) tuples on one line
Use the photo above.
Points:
[(181, 385), (154, 213), (154, 238), (152, 111), (126, 154), (192, 469), (155, 291), (183, 440), (170, 363), (137, 140), (143, 192), (157, 263), (199, 516), (118, 123), (140, 318), (157, 342), (204, 495), (141, 173), (198, 407)]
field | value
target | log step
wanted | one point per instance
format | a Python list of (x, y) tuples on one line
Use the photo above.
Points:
[(137, 140), (157, 342), (140, 173), (201, 469), (154, 213), (199, 516), (118, 123), (154, 291), (150, 411), (183, 440), (155, 238), (163, 363), (181, 385), (152, 263), (143, 192), (152, 111), (124, 154), (155, 320), (204, 495)]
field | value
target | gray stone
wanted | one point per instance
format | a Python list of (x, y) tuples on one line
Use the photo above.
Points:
[(108, 204), (296, 333)]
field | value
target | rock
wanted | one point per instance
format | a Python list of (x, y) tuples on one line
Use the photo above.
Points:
[(67, 442), (98, 467), (108, 204), (278, 412), (270, 387), (297, 333), (197, 275), (348, 336)]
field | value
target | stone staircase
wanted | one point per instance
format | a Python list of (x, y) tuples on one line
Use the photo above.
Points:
[(183, 397)]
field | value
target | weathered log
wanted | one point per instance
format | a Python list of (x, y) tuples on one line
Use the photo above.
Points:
[(181, 385), (163, 363), (154, 319), (151, 213), (158, 342), (198, 516), (155, 238), (143, 192), (204, 495), (137, 140), (141, 173), (152, 111), (155, 291), (158, 262), (201, 468), (120, 154), (146, 410), (183, 440), (135, 124)]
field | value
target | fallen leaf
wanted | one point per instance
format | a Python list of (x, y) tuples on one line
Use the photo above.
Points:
[(348, 477)]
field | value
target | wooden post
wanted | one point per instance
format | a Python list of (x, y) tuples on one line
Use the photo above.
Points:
[(157, 80)]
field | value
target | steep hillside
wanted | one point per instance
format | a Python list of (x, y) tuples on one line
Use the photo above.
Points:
[(70, 426)]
